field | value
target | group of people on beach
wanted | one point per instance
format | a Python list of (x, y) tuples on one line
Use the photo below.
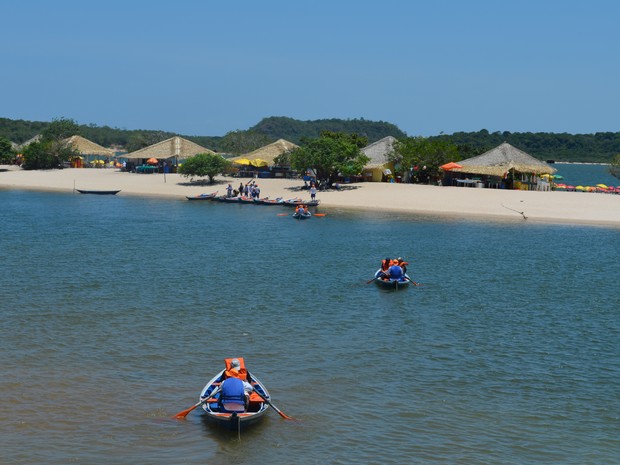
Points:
[(250, 190), (393, 269)]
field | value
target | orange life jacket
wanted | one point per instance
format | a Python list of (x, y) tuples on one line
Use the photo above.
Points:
[(240, 372)]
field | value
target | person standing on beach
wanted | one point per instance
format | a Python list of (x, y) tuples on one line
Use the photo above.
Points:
[(312, 191), (229, 190), (241, 188)]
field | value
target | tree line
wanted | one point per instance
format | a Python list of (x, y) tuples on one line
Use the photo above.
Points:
[(600, 147)]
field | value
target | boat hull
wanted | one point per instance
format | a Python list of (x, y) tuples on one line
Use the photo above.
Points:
[(82, 191), (201, 196), (257, 407), (302, 216), (392, 284)]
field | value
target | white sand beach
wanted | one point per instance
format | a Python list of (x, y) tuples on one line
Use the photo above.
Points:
[(554, 206)]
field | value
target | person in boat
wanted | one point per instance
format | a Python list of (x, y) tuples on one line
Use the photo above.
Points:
[(239, 372), (232, 395), (299, 209), (305, 210), (385, 265), (403, 264), (395, 272)]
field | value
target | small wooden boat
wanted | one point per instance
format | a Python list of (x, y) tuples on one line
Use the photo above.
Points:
[(246, 200), (297, 201), (268, 201), (302, 215), (202, 196), (82, 191), (392, 283), (229, 199), (228, 415)]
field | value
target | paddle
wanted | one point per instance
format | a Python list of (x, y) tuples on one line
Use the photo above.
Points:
[(282, 214), (412, 281), (286, 417), (183, 414), (368, 282), (319, 214)]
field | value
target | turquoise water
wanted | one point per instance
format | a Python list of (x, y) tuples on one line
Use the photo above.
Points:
[(115, 311), (585, 175)]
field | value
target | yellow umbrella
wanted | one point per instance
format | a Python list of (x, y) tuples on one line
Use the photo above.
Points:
[(242, 161), (579, 188), (602, 186), (259, 162)]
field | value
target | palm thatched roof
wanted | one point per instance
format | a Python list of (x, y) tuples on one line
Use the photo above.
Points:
[(87, 147), (32, 140), (498, 161), (269, 152), (378, 152), (175, 147)]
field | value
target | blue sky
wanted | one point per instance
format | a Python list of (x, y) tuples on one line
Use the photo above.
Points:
[(208, 67)]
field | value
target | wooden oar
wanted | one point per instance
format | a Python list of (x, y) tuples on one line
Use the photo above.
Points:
[(319, 214), (183, 414), (282, 414), (368, 282), (412, 281), (282, 214)]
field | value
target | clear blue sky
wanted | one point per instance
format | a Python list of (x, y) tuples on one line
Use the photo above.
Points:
[(207, 67)]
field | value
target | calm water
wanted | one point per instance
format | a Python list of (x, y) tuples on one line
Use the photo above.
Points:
[(115, 311), (585, 175)]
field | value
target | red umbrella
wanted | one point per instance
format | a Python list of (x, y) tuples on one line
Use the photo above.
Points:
[(152, 161), (450, 166)]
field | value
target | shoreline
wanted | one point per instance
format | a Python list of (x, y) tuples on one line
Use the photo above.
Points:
[(556, 207)]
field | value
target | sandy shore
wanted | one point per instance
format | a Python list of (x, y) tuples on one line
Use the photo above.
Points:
[(555, 207)]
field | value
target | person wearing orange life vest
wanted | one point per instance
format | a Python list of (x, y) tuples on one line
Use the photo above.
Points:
[(239, 372), (385, 265), (395, 272), (403, 264)]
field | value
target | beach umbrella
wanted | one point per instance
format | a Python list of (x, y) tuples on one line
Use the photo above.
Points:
[(580, 188), (602, 186), (152, 161), (557, 176), (242, 161), (450, 166)]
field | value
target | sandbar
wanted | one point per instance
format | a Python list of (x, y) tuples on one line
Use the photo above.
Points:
[(475, 203)]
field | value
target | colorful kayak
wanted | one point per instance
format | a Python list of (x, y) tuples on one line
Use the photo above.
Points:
[(234, 416)]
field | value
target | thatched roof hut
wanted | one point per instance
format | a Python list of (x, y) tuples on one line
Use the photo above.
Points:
[(269, 152), (378, 152), (87, 147), (175, 147), (500, 160)]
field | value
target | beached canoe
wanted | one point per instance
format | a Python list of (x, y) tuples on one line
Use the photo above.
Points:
[(82, 191), (268, 201), (392, 283), (202, 196), (302, 215), (295, 202), (231, 417)]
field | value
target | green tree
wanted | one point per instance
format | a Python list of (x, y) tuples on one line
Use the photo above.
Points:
[(331, 154), (60, 129), (7, 154), (423, 157), (204, 164), (614, 166)]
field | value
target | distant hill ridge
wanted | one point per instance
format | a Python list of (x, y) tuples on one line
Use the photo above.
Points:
[(598, 147)]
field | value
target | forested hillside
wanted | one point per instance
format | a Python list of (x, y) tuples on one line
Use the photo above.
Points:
[(280, 127), (599, 147)]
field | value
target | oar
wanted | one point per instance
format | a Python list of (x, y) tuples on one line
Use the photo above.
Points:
[(184, 413), (368, 282), (412, 281), (282, 414), (319, 214), (282, 214)]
